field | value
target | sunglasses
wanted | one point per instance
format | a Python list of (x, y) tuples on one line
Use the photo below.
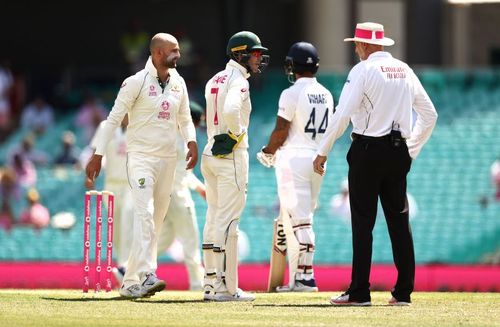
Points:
[(256, 53)]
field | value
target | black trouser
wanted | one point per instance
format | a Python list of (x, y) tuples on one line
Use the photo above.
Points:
[(378, 169)]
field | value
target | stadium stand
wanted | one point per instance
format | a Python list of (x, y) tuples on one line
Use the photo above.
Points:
[(447, 180)]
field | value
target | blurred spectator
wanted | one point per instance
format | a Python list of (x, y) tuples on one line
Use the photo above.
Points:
[(6, 84), (17, 96), (483, 202), (35, 214), (89, 116), (26, 150), (6, 216), (135, 46), (9, 193), (37, 116), (495, 177), (25, 171), (192, 65), (69, 153), (189, 63), (339, 203)]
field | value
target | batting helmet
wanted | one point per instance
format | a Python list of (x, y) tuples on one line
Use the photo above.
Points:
[(302, 57), (244, 41), (241, 45)]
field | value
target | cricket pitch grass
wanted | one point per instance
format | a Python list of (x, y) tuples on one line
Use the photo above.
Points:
[(49, 308)]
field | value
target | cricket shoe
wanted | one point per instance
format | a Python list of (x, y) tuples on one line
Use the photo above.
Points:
[(152, 284), (208, 293), (346, 301), (132, 292), (394, 302), (118, 272), (238, 296), (300, 285)]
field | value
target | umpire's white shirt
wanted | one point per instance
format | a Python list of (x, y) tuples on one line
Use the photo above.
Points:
[(154, 114), (228, 104), (379, 91)]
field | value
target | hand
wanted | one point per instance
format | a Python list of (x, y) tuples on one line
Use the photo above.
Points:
[(266, 159), (319, 165), (92, 170), (192, 155)]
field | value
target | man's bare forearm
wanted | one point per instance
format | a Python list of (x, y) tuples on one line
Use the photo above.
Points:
[(278, 136)]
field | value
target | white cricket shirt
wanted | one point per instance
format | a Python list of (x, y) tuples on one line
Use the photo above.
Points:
[(308, 106), (378, 92), (154, 114), (227, 98)]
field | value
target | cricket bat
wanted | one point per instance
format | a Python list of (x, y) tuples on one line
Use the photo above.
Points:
[(278, 257)]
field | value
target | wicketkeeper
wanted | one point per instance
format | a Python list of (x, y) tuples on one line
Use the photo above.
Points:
[(224, 164)]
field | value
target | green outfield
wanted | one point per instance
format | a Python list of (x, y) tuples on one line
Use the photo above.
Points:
[(71, 308)]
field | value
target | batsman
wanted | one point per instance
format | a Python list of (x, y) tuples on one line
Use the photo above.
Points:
[(304, 111)]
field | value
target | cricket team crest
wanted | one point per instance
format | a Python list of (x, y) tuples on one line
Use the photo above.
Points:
[(152, 91), (164, 110), (176, 88)]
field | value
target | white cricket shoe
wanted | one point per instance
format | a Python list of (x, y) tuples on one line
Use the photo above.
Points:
[(133, 292), (346, 301), (152, 284), (208, 293), (300, 285), (238, 296)]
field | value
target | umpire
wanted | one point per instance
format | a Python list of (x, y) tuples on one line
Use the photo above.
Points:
[(378, 97)]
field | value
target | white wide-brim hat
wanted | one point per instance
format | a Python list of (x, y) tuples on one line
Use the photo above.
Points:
[(372, 33)]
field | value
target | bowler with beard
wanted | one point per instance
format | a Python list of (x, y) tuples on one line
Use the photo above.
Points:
[(156, 101)]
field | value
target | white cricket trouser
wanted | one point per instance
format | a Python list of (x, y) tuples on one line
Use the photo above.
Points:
[(226, 185), (298, 190), (181, 223), (151, 179), (123, 220)]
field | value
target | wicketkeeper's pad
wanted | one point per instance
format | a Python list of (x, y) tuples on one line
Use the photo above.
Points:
[(225, 144), (231, 257)]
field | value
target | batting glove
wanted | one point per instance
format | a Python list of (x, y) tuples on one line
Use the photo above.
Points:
[(266, 159)]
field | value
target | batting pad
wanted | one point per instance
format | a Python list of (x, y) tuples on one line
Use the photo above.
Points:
[(232, 257), (293, 250), (209, 263)]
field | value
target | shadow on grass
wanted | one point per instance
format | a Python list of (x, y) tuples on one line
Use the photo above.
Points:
[(294, 305), (85, 299), (171, 301), (315, 306), (119, 298)]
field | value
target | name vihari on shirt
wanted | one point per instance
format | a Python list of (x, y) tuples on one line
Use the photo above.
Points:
[(317, 98)]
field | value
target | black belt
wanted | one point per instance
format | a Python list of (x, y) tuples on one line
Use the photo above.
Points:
[(355, 136)]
